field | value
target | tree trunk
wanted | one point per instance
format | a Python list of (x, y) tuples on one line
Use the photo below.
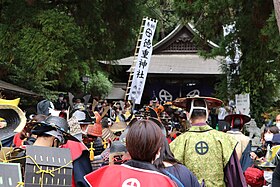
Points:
[(277, 12)]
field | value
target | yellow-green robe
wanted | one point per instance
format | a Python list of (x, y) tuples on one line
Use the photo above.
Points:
[(205, 152)]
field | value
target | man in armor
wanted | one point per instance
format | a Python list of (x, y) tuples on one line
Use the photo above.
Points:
[(93, 139), (53, 132)]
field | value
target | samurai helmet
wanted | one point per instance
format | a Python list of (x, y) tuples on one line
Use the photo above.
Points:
[(12, 117), (95, 130), (54, 126)]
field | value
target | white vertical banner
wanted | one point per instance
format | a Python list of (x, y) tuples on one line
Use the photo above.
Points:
[(242, 104), (230, 29), (143, 61)]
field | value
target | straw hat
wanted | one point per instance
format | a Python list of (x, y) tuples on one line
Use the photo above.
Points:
[(243, 119), (185, 102)]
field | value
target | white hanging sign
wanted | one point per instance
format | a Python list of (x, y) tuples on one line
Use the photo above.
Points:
[(143, 62), (242, 104)]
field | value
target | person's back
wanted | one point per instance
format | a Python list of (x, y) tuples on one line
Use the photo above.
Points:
[(237, 122), (53, 133), (242, 140), (243, 148), (206, 153), (222, 124), (183, 174), (179, 173), (124, 175), (143, 142), (81, 162), (276, 176)]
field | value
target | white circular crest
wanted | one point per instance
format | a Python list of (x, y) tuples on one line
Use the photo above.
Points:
[(193, 93), (164, 95), (131, 182)]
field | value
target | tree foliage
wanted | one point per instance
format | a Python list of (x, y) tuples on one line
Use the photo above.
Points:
[(49, 45), (40, 46), (103, 88), (255, 33)]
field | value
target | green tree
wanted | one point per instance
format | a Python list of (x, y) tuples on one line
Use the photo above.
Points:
[(99, 84), (257, 69), (41, 46), (47, 46)]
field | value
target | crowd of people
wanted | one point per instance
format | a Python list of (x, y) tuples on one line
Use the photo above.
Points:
[(171, 143)]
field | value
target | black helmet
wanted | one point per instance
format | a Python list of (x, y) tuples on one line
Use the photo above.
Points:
[(60, 123), (117, 146), (55, 126)]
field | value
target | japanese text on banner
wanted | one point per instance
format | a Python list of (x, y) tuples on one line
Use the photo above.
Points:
[(143, 62)]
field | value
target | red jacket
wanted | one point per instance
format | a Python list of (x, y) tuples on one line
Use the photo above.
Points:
[(124, 175), (79, 162)]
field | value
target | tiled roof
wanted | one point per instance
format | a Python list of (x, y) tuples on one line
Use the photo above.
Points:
[(180, 64)]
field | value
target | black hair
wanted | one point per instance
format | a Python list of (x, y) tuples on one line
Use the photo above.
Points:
[(165, 156), (198, 113), (104, 122), (237, 124), (272, 129)]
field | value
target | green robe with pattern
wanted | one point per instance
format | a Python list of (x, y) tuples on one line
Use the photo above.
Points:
[(205, 152)]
